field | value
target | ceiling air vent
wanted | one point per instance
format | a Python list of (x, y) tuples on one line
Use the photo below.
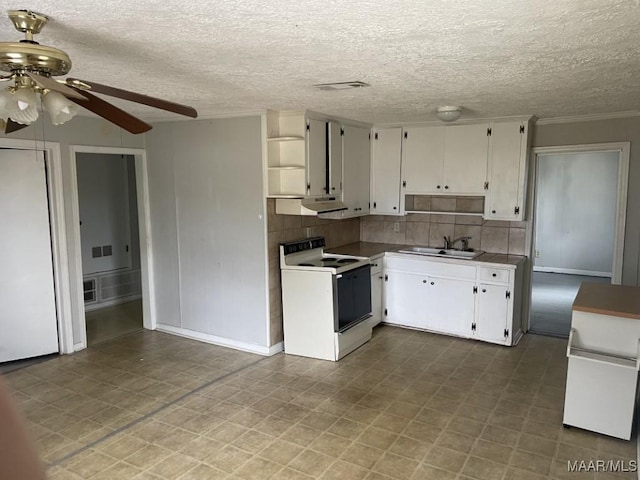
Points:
[(341, 85)]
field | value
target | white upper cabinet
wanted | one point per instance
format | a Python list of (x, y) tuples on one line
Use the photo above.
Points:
[(335, 158), (316, 158), (356, 158), (423, 160), (448, 160), (507, 166), (465, 159), (385, 175)]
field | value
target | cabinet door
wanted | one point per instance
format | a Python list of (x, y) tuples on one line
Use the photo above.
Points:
[(451, 306), (493, 309), (335, 159), (316, 158), (385, 191), (422, 159), (465, 159), (406, 299), (506, 171), (356, 170), (376, 298)]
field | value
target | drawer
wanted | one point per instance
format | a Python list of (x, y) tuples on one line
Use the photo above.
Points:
[(494, 274)]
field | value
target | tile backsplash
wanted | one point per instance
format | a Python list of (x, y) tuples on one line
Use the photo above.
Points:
[(429, 229)]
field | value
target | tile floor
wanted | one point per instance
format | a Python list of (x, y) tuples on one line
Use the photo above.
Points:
[(112, 322), (407, 405), (552, 296)]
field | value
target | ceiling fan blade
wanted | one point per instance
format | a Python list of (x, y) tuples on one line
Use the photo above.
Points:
[(112, 113), (10, 126), (134, 97), (51, 84)]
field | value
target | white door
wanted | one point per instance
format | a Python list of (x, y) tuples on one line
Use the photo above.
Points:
[(335, 159), (465, 159), (422, 159), (451, 306), (356, 160), (406, 299), (317, 158), (493, 311), (385, 178), (27, 302)]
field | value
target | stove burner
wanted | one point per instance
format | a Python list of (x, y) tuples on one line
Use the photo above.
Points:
[(347, 260), (306, 265)]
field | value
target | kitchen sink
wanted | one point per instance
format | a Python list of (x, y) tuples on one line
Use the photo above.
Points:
[(441, 252)]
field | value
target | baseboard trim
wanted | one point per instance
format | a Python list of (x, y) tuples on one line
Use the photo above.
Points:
[(221, 341), (78, 346), (571, 271)]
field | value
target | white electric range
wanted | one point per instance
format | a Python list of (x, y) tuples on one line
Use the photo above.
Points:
[(325, 300)]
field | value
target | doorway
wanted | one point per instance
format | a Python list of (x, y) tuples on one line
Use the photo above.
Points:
[(578, 228), (110, 247)]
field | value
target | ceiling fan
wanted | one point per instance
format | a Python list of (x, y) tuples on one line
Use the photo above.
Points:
[(31, 68)]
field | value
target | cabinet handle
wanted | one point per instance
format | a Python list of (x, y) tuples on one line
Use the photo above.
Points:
[(494, 274), (380, 277), (493, 211), (424, 281), (374, 264), (333, 188), (395, 208), (484, 290), (438, 186), (433, 283), (446, 187)]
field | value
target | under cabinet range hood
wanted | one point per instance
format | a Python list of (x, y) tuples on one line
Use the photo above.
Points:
[(309, 206)]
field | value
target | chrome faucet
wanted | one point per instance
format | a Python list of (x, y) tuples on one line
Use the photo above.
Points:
[(448, 243)]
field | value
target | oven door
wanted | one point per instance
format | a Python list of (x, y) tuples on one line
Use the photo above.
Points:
[(352, 297)]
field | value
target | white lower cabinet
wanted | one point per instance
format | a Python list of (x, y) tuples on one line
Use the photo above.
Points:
[(464, 298)]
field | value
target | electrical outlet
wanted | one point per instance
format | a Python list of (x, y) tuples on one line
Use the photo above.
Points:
[(537, 253), (396, 227)]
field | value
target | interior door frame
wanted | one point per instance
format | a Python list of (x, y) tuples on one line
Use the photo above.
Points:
[(144, 226), (59, 242), (623, 149)]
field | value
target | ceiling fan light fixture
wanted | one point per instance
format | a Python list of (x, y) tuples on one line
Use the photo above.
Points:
[(448, 113), (24, 107), (60, 109)]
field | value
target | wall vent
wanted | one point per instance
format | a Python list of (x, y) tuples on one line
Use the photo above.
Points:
[(341, 85), (108, 287)]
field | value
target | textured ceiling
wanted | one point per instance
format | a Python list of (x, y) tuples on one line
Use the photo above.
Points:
[(548, 58)]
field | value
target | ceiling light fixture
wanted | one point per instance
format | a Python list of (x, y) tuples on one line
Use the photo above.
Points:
[(21, 101), (448, 113)]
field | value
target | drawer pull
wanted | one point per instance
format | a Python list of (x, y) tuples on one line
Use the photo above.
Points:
[(494, 274)]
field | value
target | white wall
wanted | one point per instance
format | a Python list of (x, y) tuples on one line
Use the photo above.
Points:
[(605, 131), (79, 131), (576, 211), (103, 198), (208, 230)]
